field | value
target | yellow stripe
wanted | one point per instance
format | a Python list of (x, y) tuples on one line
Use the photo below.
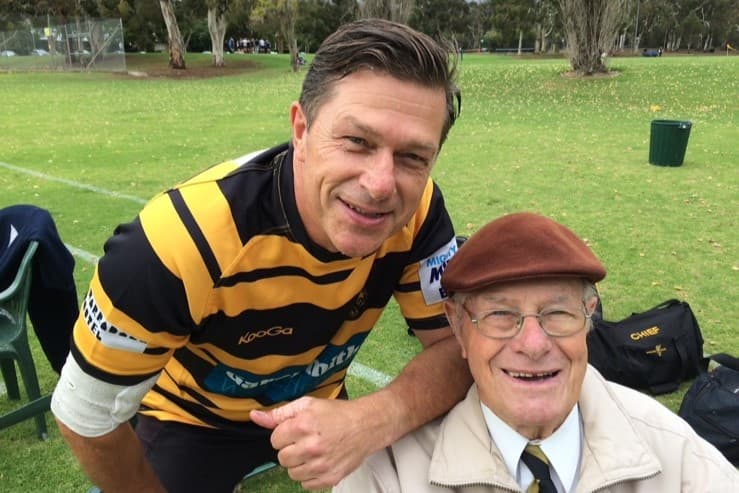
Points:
[(172, 243), (212, 173), (210, 210), (117, 361), (280, 251)]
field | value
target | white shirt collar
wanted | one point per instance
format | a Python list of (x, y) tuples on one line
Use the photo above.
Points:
[(562, 448)]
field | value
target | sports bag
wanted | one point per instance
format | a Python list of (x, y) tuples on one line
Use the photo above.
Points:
[(711, 406), (654, 350)]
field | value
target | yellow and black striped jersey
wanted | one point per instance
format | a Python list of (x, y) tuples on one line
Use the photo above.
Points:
[(217, 285)]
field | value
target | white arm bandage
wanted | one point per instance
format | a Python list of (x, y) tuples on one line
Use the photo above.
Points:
[(91, 407)]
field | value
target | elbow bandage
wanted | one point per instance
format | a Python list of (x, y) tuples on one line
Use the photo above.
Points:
[(91, 407)]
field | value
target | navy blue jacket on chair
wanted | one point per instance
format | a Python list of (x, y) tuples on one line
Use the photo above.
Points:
[(52, 304)]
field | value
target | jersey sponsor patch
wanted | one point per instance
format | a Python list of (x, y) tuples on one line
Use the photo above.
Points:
[(431, 269), (107, 333), (288, 383)]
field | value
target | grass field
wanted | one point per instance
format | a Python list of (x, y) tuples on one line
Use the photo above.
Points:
[(91, 148)]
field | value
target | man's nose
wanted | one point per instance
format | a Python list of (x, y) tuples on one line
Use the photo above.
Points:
[(379, 176), (532, 340)]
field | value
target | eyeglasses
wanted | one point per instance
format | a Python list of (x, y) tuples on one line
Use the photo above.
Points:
[(506, 324)]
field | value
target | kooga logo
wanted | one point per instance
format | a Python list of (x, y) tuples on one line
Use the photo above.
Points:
[(272, 331)]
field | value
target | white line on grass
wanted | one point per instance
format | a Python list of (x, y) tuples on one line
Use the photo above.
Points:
[(84, 255), (72, 183), (377, 378), (368, 374), (356, 369)]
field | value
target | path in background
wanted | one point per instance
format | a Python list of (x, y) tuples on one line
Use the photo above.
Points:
[(363, 372)]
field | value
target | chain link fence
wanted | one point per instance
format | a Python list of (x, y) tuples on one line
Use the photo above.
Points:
[(87, 44)]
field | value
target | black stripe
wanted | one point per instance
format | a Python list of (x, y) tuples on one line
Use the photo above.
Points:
[(409, 287), (437, 225), (196, 234), (127, 380), (156, 350), (427, 323), (253, 199), (141, 286), (260, 274)]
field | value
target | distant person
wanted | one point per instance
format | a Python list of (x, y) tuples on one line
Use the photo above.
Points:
[(538, 418), (227, 313), (231, 45)]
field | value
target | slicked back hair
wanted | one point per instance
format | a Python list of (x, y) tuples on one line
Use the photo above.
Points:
[(386, 47)]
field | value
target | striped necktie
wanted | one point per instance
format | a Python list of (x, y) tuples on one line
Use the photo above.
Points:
[(538, 464)]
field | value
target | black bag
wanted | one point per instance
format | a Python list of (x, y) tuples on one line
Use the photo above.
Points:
[(655, 350), (711, 406)]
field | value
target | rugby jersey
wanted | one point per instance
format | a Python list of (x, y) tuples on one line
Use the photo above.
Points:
[(217, 285)]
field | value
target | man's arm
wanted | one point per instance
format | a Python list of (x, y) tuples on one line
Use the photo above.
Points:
[(115, 461), (321, 441), (93, 417)]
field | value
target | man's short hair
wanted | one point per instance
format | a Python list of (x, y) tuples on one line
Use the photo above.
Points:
[(384, 46)]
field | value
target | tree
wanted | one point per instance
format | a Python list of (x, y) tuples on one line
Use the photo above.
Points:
[(142, 24), (481, 15), (217, 24), (393, 10), (591, 27), (317, 19), (546, 23), (175, 44), (286, 13), (444, 20), (516, 16)]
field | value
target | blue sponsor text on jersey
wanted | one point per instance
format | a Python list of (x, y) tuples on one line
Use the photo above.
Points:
[(287, 383), (438, 264)]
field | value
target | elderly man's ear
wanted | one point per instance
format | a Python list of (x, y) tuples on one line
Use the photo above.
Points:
[(455, 322), (591, 304)]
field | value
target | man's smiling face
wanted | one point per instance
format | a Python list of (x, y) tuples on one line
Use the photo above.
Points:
[(531, 381), (362, 165)]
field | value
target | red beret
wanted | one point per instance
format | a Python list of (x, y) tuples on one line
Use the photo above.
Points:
[(520, 246)]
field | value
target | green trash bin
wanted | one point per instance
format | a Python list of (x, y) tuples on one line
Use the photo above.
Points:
[(668, 141)]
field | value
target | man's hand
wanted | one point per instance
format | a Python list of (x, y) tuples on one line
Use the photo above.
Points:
[(320, 441)]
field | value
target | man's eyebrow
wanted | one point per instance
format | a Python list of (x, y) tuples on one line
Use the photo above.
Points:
[(414, 146)]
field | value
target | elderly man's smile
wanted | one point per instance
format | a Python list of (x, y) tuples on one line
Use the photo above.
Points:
[(531, 376)]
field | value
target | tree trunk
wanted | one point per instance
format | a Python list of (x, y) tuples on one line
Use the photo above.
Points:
[(217, 27), (95, 28), (591, 27), (287, 29), (176, 45), (394, 10), (520, 41)]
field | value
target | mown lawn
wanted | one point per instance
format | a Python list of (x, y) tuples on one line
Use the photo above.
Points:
[(528, 139)]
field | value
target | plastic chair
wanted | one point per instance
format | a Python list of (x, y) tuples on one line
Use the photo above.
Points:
[(14, 348)]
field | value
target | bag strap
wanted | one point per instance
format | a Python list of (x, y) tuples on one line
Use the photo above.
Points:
[(660, 306), (725, 359)]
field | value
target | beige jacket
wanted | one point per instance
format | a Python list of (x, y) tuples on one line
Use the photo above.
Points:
[(632, 444)]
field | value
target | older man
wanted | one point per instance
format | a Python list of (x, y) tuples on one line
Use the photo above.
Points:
[(538, 418)]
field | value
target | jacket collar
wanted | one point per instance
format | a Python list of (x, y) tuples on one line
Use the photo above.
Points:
[(612, 449)]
